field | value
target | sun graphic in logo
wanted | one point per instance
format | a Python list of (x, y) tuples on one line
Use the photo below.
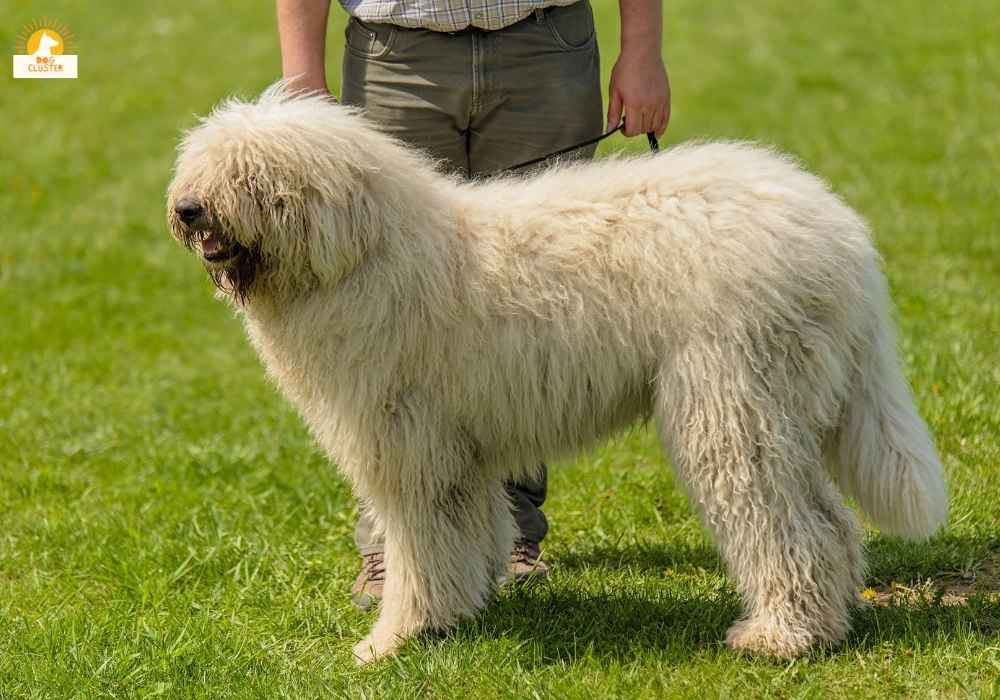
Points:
[(45, 38)]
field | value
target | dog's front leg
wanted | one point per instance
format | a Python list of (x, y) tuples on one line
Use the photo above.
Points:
[(446, 545)]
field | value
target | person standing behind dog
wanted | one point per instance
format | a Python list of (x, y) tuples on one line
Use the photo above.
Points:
[(482, 85)]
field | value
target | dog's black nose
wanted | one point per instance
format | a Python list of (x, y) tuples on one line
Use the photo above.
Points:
[(188, 210)]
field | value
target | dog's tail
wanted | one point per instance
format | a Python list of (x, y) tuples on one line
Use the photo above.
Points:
[(882, 454)]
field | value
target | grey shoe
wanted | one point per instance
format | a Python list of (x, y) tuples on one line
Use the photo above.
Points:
[(367, 588)]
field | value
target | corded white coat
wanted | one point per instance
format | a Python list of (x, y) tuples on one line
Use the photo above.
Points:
[(438, 335)]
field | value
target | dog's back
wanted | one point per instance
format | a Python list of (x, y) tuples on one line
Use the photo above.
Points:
[(580, 281)]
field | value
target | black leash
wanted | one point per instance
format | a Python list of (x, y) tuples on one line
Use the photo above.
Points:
[(654, 146)]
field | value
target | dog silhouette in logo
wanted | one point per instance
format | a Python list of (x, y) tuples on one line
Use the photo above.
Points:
[(45, 46)]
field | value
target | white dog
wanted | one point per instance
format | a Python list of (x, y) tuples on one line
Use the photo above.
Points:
[(438, 335)]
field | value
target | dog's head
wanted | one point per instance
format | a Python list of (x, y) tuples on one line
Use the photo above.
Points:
[(269, 192)]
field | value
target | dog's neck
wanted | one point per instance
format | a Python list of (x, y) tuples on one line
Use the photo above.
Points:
[(402, 286), (397, 277)]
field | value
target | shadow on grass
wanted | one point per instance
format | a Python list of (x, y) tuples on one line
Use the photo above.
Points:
[(663, 613), (946, 556), (908, 624), (566, 624), (643, 557)]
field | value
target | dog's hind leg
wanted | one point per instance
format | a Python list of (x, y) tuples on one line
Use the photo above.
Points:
[(448, 536), (754, 468)]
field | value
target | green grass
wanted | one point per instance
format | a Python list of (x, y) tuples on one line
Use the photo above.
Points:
[(168, 528)]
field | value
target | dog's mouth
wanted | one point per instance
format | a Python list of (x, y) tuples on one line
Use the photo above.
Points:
[(231, 265), (216, 248)]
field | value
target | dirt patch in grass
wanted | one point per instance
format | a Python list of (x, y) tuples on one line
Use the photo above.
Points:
[(947, 588)]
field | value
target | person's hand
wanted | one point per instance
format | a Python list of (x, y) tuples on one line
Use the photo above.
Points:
[(304, 82), (640, 89)]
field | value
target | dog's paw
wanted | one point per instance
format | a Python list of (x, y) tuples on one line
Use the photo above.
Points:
[(372, 648), (764, 636)]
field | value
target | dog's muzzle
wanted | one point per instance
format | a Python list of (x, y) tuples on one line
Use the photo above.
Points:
[(200, 228)]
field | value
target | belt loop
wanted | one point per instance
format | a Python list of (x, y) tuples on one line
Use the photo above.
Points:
[(539, 15)]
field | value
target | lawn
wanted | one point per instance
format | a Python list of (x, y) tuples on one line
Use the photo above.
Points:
[(168, 528)]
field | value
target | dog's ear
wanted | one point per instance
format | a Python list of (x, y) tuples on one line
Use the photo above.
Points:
[(341, 232)]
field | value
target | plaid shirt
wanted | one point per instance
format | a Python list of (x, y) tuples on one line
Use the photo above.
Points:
[(447, 15)]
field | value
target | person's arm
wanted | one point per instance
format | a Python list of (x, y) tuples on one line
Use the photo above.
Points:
[(302, 33), (639, 87)]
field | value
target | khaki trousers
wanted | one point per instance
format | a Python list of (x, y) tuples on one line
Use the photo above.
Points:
[(479, 102)]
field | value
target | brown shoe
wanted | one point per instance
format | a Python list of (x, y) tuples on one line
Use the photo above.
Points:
[(367, 588), (526, 562)]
